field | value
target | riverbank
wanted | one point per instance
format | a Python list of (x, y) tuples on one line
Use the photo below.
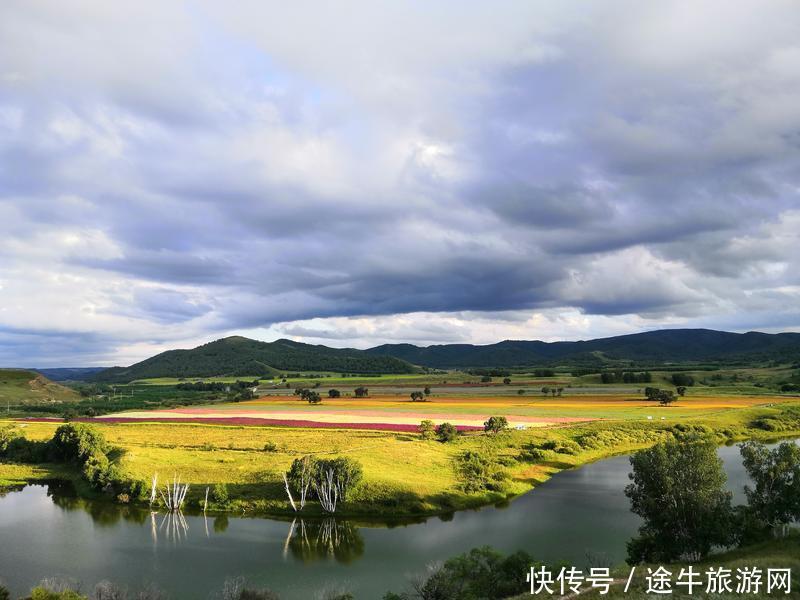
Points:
[(405, 477)]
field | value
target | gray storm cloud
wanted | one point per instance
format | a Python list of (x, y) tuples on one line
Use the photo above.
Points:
[(173, 172)]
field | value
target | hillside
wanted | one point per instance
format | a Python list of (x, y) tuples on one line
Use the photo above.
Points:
[(242, 356), (19, 386), (664, 346)]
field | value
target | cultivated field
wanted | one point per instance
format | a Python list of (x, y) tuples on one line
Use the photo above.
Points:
[(468, 412)]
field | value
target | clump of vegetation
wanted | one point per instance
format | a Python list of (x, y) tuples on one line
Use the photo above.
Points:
[(328, 480), (418, 397), (271, 447), (620, 376), (446, 432), (333, 393), (495, 425), (537, 451), (774, 499), (219, 494), (479, 471), (427, 430)]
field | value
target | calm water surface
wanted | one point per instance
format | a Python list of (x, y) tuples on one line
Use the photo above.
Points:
[(578, 516)]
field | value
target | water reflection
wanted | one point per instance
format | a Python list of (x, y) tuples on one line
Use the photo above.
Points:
[(173, 526), (310, 541)]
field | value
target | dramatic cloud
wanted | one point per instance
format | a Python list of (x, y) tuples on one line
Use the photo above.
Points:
[(367, 172)]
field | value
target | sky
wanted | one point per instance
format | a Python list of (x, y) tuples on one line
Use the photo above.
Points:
[(367, 172)]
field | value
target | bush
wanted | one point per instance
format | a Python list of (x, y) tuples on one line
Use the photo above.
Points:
[(427, 430), (76, 442), (270, 447), (4, 593), (219, 493), (477, 471), (446, 432)]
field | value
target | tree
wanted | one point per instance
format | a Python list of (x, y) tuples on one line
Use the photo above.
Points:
[(678, 488), (334, 393), (520, 391), (775, 497), (507, 380), (361, 392), (427, 390), (427, 430), (560, 390), (666, 397), (446, 432), (417, 397), (311, 396), (486, 379), (546, 390), (495, 425), (681, 389), (682, 379)]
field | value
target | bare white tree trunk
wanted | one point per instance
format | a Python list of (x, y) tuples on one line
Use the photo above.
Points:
[(289, 492)]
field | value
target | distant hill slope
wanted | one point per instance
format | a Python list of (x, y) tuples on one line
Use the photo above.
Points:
[(22, 386), (240, 356), (69, 373), (664, 346)]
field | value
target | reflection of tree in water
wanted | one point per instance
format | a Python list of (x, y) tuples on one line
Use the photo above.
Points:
[(220, 523), (172, 526), (323, 539), (103, 513)]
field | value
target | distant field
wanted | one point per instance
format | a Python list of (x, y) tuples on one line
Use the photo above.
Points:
[(391, 412)]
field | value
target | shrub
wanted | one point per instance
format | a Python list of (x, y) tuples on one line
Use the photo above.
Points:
[(4, 593), (427, 430), (270, 447), (446, 432), (477, 471), (219, 493), (76, 442), (334, 393)]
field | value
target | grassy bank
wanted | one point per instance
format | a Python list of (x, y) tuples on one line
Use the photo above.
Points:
[(403, 474)]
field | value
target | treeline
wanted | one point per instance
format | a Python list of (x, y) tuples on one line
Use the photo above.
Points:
[(626, 377), (216, 386)]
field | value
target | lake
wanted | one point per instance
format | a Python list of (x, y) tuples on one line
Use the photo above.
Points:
[(580, 516)]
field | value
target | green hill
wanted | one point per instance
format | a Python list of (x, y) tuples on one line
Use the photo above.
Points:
[(653, 347), (20, 386), (240, 356)]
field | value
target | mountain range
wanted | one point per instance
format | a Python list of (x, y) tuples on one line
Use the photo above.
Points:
[(240, 356)]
